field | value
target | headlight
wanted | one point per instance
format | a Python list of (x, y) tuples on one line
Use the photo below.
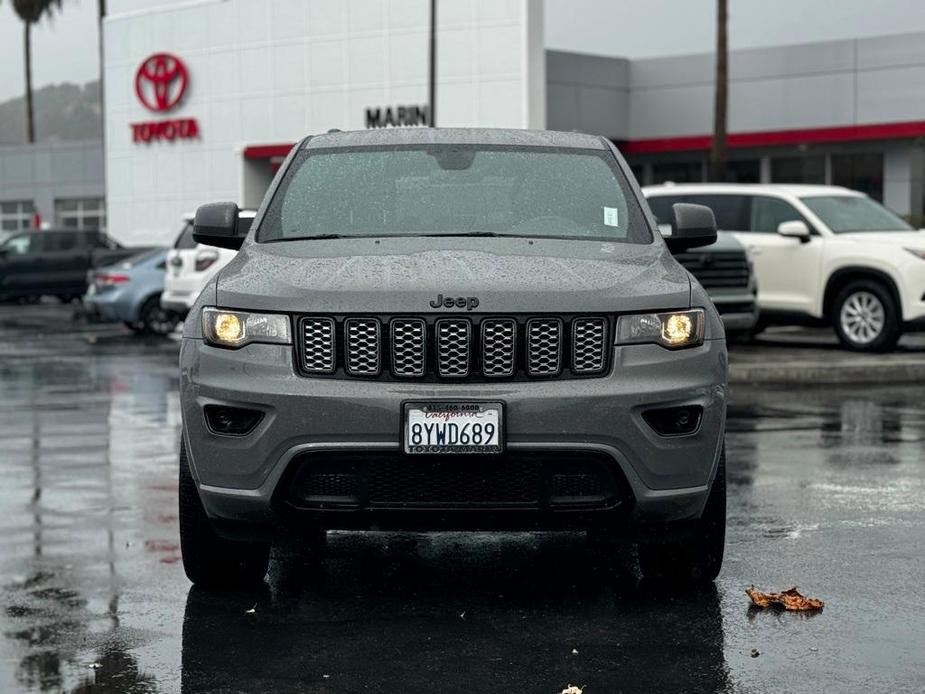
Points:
[(238, 328), (673, 330), (918, 253)]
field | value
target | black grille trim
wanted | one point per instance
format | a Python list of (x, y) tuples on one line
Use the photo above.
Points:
[(454, 347), (318, 353), (717, 269), (524, 480), (363, 346), (589, 345), (499, 347), (544, 346), (391, 367), (408, 346)]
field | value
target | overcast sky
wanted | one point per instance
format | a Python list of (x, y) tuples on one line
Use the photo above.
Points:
[(65, 48)]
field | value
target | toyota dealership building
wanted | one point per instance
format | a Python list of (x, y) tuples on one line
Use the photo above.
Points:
[(204, 99)]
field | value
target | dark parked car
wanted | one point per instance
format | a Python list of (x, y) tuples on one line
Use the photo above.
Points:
[(54, 262)]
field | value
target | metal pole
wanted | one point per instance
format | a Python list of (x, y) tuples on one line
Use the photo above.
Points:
[(432, 89)]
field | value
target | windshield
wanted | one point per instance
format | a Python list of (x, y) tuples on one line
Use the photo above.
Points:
[(844, 213), (444, 190)]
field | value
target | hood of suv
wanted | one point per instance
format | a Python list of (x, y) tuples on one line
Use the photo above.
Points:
[(407, 275), (914, 239)]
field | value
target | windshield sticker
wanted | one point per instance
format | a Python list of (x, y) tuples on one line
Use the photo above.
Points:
[(610, 217)]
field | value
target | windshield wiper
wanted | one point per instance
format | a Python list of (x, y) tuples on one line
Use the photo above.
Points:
[(316, 237), (488, 234)]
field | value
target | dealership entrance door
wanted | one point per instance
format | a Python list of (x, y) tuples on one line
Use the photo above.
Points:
[(261, 162)]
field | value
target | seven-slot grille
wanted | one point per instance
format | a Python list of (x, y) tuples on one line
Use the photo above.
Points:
[(454, 348), (717, 269)]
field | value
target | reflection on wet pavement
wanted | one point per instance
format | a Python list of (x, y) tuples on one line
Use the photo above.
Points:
[(827, 492)]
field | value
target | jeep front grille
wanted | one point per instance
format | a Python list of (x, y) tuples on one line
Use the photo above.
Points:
[(589, 345), (318, 345), (454, 340), (544, 346), (499, 344), (460, 348), (717, 269), (362, 346), (408, 346)]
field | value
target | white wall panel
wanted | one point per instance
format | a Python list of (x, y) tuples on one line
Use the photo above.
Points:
[(265, 73)]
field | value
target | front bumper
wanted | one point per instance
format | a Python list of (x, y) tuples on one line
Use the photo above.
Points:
[(179, 301), (737, 309), (111, 305), (241, 478)]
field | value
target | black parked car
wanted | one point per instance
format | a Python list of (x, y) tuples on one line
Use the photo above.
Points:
[(54, 262)]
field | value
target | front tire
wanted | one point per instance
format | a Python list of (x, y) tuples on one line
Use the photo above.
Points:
[(154, 319), (700, 556), (866, 318), (208, 559)]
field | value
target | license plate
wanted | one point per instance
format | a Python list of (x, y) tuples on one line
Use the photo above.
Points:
[(458, 427)]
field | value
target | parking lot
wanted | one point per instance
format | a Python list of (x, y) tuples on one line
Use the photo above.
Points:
[(827, 492)]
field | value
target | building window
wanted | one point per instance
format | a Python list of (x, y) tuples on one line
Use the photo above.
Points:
[(798, 170), (863, 172), (81, 213), (745, 171), (637, 172), (677, 172), (16, 216)]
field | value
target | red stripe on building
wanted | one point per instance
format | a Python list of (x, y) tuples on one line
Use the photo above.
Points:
[(839, 133), (267, 151)]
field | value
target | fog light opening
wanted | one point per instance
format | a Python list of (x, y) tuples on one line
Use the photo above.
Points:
[(231, 421), (675, 421)]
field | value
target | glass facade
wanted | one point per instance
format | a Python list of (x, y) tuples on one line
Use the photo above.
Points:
[(861, 171), (809, 169), (16, 216), (81, 213), (677, 172), (743, 171)]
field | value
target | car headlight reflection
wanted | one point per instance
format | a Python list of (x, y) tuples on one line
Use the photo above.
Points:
[(674, 330), (238, 328)]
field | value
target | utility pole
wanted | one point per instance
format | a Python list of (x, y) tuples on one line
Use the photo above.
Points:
[(718, 151), (432, 87)]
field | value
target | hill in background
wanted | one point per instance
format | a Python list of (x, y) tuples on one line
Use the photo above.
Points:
[(62, 112)]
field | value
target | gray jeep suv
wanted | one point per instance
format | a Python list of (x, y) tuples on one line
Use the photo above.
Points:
[(452, 329)]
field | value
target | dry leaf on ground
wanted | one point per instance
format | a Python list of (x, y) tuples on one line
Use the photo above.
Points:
[(790, 599)]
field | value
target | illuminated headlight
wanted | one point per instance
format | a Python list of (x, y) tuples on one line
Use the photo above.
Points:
[(238, 328), (673, 330)]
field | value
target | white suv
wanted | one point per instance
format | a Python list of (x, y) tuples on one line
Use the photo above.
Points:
[(821, 254), (191, 265)]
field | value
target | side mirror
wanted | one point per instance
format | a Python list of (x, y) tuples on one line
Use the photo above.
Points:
[(216, 224), (795, 229), (692, 226)]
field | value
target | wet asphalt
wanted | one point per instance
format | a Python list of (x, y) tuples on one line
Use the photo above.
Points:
[(827, 492)]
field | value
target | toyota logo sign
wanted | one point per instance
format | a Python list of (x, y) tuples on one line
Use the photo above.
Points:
[(161, 81)]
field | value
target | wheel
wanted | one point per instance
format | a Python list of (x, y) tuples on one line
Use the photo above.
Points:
[(866, 317), (208, 559), (155, 319), (700, 556)]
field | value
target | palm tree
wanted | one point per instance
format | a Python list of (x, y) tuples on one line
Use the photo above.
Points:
[(718, 150), (30, 12)]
